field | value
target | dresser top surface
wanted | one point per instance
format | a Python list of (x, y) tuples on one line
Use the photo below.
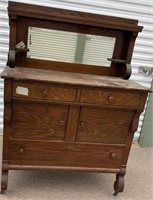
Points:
[(78, 79)]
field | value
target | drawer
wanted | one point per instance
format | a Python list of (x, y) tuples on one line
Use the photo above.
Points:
[(64, 154), (126, 99), (38, 120), (43, 91)]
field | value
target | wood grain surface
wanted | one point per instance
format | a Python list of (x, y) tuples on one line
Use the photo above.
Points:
[(38, 121), (76, 79), (64, 154), (67, 116), (106, 126)]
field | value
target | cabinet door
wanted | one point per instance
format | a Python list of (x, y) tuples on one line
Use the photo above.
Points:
[(34, 120), (104, 125)]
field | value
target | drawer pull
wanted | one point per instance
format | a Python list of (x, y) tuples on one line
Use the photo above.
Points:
[(62, 123), (82, 124), (113, 155), (44, 92), (21, 150), (53, 133), (111, 99)]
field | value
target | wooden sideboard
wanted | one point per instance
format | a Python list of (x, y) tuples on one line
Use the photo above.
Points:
[(77, 117)]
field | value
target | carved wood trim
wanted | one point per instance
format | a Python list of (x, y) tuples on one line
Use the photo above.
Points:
[(72, 16), (134, 125), (11, 58), (126, 71)]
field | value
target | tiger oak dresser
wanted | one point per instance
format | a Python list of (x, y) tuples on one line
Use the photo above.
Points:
[(68, 103)]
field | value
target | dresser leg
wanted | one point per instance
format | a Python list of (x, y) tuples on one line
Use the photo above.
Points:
[(119, 184), (4, 181)]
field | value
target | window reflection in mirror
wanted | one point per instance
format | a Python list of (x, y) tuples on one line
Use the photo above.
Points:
[(63, 46)]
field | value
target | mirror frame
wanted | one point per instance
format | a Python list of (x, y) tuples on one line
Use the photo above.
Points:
[(23, 16)]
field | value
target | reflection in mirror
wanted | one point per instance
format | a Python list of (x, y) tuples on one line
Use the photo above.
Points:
[(63, 46)]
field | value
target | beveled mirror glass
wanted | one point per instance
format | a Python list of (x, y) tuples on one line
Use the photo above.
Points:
[(63, 46)]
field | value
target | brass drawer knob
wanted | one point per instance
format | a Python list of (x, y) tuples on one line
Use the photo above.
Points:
[(21, 150), (113, 155), (53, 132), (111, 99), (83, 125), (62, 123), (44, 92)]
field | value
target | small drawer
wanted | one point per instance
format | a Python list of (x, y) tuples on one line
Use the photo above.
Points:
[(43, 91), (126, 99)]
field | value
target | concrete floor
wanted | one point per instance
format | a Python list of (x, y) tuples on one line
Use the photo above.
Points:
[(43, 185)]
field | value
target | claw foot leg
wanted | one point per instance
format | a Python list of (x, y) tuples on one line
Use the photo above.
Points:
[(118, 184), (4, 181)]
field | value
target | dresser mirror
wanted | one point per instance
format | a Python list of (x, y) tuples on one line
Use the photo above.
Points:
[(71, 47), (71, 41)]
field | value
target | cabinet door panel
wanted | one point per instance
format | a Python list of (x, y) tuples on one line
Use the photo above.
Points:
[(104, 125), (33, 120)]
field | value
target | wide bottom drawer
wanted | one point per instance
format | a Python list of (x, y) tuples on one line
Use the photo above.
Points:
[(65, 154)]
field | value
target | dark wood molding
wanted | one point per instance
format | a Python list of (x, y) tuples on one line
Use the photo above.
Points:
[(29, 10)]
